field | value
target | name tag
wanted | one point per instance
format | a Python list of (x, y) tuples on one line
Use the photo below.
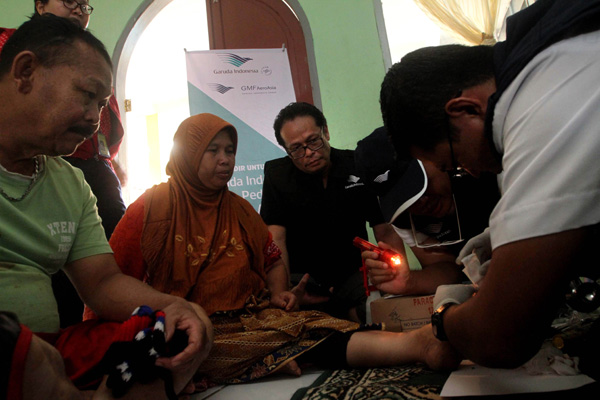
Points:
[(103, 146)]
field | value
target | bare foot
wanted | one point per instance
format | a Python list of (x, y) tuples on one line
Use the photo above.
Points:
[(438, 355), (291, 368), (188, 390)]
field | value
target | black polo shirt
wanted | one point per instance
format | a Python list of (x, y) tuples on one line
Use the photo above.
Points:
[(320, 222)]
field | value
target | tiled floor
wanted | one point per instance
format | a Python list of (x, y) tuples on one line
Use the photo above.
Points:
[(276, 388)]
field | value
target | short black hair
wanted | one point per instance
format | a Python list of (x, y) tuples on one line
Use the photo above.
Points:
[(293, 110), (51, 39), (415, 91)]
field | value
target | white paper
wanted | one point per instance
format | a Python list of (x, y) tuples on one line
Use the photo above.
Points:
[(472, 268), (473, 380)]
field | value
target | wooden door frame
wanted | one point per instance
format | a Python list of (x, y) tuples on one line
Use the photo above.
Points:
[(148, 9), (383, 39)]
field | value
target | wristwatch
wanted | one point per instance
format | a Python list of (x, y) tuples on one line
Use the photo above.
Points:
[(437, 321)]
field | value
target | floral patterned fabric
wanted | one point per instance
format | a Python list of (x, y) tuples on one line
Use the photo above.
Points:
[(211, 247), (259, 340), (408, 382)]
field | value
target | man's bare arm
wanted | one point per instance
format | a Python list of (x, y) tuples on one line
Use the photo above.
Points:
[(439, 269), (279, 237), (504, 323), (113, 295)]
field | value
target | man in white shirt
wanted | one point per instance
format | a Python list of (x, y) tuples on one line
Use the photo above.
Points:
[(543, 135)]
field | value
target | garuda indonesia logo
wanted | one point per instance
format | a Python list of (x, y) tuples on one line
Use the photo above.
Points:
[(217, 87), (233, 59)]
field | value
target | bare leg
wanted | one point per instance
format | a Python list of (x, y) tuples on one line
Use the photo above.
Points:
[(290, 368), (44, 376), (382, 349)]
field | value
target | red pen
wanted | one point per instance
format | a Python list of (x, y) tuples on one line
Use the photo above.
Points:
[(387, 256)]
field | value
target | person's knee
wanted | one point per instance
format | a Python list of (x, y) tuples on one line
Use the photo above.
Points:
[(44, 375)]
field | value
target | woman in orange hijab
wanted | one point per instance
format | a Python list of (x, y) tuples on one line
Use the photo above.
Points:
[(193, 238)]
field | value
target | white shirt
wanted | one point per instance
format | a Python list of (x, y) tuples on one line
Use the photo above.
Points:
[(547, 127)]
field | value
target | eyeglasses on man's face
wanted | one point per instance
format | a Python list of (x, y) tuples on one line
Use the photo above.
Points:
[(314, 144), (72, 4), (456, 171)]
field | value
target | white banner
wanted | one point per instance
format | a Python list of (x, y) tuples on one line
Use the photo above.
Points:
[(247, 88)]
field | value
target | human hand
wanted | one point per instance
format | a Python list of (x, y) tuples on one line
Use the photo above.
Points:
[(456, 294), (181, 315), (390, 279), (142, 341), (285, 300), (305, 297), (481, 245)]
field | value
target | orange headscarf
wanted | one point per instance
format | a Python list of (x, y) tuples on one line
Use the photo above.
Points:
[(201, 244)]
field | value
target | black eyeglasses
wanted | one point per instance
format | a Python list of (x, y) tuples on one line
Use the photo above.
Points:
[(456, 171), (314, 144), (72, 4)]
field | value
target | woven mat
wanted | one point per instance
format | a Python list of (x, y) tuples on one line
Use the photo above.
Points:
[(409, 382)]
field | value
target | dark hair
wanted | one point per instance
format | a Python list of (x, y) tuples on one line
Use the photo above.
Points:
[(293, 110), (52, 39), (415, 91)]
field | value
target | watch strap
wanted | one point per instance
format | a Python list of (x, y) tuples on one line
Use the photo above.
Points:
[(437, 321)]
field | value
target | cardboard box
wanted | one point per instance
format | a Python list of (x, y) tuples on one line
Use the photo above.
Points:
[(402, 313)]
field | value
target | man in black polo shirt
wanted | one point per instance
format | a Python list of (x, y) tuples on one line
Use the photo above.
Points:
[(314, 204), (435, 213)]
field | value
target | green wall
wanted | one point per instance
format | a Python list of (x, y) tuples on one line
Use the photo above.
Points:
[(14, 12), (349, 64), (347, 51), (107, 22)]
